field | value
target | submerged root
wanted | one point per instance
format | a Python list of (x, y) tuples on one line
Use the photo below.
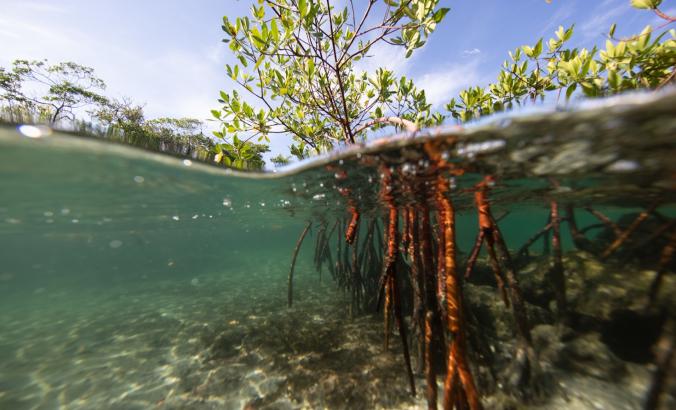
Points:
[(353, 226), (459, 387), (620, 240), (293, 263), (664, 369), (525, 367), (557, 262), (391, 288)]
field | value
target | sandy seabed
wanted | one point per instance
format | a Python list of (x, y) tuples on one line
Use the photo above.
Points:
[(220, 342)]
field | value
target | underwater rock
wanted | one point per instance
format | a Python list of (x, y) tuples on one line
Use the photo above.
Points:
[(535, 284), (587, 354), (494, 317), (594, 291)]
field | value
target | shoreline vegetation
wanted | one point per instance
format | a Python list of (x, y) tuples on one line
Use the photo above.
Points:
[(298, 62)]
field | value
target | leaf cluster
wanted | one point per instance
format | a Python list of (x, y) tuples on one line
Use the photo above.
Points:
[(531, 72), (297, 61)]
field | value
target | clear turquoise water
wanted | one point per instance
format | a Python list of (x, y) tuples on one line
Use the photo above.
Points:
[(130, 279)]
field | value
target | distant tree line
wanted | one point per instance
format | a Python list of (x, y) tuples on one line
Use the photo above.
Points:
[(70, 95)]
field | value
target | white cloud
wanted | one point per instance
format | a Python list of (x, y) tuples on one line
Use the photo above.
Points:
[(168, 81), (472, 51), (386, 56), (441, 85)]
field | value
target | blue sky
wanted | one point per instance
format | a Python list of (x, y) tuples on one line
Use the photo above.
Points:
[(169, 56)]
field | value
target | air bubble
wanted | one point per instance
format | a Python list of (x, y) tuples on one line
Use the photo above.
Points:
[(34, 131)]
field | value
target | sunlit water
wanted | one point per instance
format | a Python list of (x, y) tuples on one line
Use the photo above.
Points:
[(130, 279)]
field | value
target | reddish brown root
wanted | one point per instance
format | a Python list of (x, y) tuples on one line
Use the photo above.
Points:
[(430, 373), (458, 371), (619, 241), (353, 226), (474, 254)]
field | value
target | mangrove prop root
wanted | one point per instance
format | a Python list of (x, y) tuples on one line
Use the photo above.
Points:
[(417, 283), (652, 237), (474, 254), (458, 371), (392, 295), (615, 245), (665, 364), (516, 296), (557, 263), (580, 241), (319, 250), (495, 239), (293, 262), (356, 280), (430, 373), (386, 313), (607, 221), (353, 226), (487, 226), (665, 258), (402, 331), (495, 265)]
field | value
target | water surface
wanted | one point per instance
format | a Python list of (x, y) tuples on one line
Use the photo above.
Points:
[(132, 279)]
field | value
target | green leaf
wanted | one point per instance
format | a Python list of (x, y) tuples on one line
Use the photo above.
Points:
[(645, 4), (570, 90), (311, 67), (538, 49), (302, 8), (274, 30), (440, 14)]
